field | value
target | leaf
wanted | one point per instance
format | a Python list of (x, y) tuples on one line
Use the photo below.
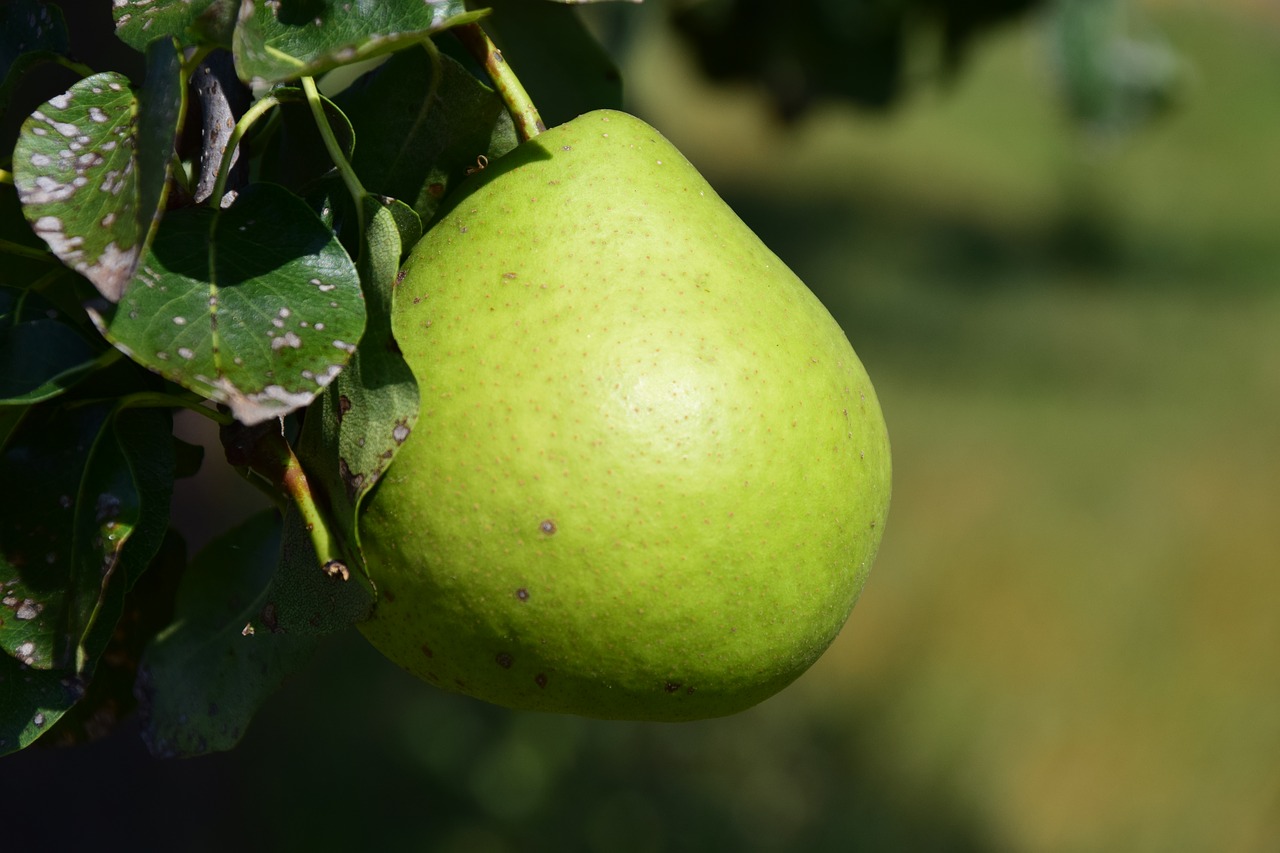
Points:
[(256, 305), (71, 530), (420, 131), (297, 157), (72, 543), (86, 188), (275, 42), (558, 60), (355, 430), (202, 680), (136, 465), (41, 354), (191, 22), (38, 559), (30, 32), (31, 701), (306, 600), (108, 699)]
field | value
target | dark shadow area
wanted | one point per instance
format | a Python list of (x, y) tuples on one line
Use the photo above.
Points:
[(355, 755)]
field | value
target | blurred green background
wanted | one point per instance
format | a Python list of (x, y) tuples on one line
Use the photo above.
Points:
[(1070, 640)]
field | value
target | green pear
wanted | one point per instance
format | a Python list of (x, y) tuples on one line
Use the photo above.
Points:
[(649, 475)]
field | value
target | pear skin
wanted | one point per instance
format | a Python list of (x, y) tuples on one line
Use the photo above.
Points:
[(649, 475)]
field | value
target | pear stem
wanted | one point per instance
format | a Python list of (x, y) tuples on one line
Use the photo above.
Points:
[(523, 112)]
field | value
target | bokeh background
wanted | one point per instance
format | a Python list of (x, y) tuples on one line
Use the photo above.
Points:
[(1071, 639)]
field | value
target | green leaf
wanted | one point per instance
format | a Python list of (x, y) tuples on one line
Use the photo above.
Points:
[(191, 22), (306, 600), (73, 542), (30, 32), (41, 354), (39, 560), (202, 680), (31, 701), (108, 699), (86, 188), (355, 430), (136, 465), (421, 128), (256, 305), (275, 42)]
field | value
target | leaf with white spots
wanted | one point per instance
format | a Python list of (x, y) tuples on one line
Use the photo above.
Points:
[(256, 305), (90, 515), (353, 434), (201, 682), (191, 22), (86, 189), (31, 701), (93, 482), (277, 41), (30, 32), (48, 455)]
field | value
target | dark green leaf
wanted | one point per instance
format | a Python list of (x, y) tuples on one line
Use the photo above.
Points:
[(202, 681), (256, 305), (39, 558), (191, 22), (85, 188), (30, 32), (162, 105), (41, 354), (136, 461), (305, 599), (108, 699), (421, 128), (90, 516), (296, 156), (31, 701), (283, 41), (354, 431)]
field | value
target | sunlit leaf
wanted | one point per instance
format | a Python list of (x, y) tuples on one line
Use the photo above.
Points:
[(87, 187), (283, 41), (202, 680), (191, 22), (256, 305)]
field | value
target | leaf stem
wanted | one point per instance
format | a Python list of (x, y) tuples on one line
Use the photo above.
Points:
[(160, 400), (519, 104), (6, 177), (264, 451), (242, 127), (73, 66), (8, 247), (331, 144)]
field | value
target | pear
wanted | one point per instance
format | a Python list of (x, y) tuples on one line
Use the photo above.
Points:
[(649, 475)]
